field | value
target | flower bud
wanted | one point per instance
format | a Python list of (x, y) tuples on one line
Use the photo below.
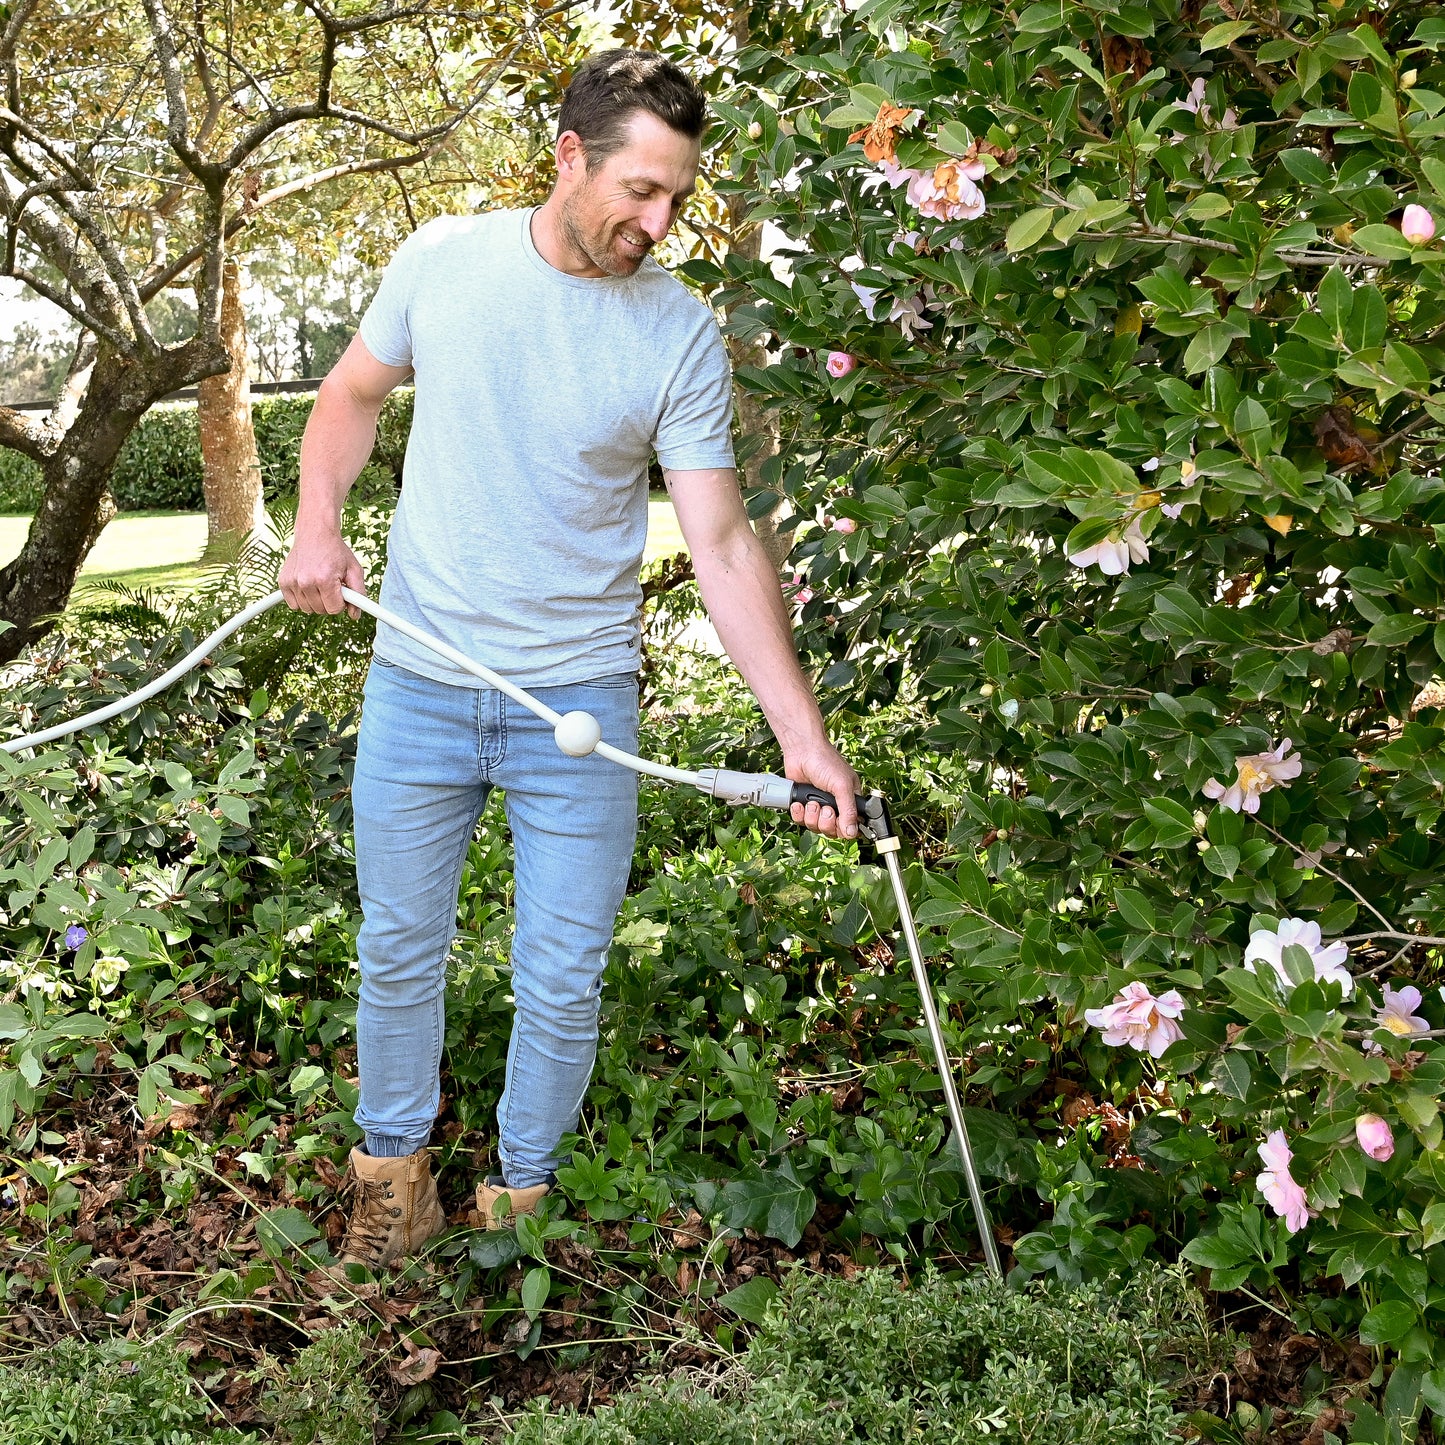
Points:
[(986, 690), (1417, 225), (844, 524), (1060, 292), (755, 130), (1374, 1136), (1011, 129), (1408, 79), (840, 363)]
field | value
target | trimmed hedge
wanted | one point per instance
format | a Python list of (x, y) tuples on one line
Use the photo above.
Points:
[(160, 464), (951, 1361)]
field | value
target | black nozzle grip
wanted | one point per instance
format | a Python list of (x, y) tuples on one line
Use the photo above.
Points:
[(807, 793)]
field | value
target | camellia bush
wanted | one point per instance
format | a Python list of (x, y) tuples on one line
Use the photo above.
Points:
[(1108, 345)]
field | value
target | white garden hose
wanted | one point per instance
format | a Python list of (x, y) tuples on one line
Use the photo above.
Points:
[(577, 735)]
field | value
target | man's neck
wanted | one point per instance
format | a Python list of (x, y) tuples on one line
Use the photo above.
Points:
[(549, 237)]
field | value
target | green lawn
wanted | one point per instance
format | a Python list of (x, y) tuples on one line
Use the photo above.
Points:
[(163, 549)]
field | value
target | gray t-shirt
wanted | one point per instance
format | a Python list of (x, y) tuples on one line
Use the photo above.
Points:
[(539, 399)]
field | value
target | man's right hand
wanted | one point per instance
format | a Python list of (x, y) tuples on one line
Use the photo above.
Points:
[(315, 572)]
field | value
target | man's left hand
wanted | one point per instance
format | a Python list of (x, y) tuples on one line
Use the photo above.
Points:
[(822, 765)]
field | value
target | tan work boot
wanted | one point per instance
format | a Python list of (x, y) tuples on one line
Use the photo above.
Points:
[(498, 1206), (396, 1211)]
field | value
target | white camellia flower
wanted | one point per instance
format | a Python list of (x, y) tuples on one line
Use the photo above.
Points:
[(1114, 554), (1267, 945), (1255, 773)]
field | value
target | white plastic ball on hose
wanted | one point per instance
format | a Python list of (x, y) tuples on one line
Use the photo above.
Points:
[(577, 733)]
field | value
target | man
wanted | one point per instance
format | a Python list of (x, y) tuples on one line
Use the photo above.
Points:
[(552, 356)]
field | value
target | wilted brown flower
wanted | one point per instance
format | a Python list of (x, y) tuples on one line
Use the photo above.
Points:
[(880, 137)]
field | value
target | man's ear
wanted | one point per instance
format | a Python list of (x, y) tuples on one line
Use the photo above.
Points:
[(571, 157)]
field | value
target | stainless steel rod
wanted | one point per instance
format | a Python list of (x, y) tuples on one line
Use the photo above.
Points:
[(945, 1070)]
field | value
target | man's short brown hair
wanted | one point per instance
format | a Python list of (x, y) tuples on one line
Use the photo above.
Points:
[(613, 85)]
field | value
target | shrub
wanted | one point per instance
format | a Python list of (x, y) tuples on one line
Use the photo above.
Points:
[(159, 467), (947, 1360), (321, 1397), (1139, 471), (108, 1393)]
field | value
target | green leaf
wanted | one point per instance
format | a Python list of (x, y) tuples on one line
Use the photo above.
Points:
[(1214, 1252), (1135, 909), (496, 1249), (1173, 823), (849, 117), (1388, 1323), (1432, 1223), (1029, 228), (536, 1286), (1233, 1075), (1395, 629), (281, 1230), (1432, 1391), (1218, 36), (1208, 347), (1383, 241), (1335, 298), (750, 1301)]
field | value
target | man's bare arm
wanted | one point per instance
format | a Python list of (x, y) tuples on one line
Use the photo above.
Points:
[(338, 440), (745, 601)]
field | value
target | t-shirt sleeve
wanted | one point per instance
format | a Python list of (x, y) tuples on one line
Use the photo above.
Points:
[(386, 327), (695, 430)]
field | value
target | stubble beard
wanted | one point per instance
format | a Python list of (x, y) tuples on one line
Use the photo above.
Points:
[(597, 246)]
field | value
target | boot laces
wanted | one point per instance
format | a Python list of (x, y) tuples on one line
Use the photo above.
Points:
[(369, 1227)]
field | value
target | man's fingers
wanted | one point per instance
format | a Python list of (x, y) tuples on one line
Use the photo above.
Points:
[(356, 581)]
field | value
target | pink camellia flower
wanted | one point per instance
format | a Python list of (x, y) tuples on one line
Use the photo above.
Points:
[(1417, 225), (1374, 1136), (802, 593), (1116, 551), (1139, 1019), (1397, 1015), (844, 524), (889, 173), (1267, 945), (840, 363), (1194, 102), (1255, 773), (1282, 1194), (947, 192)]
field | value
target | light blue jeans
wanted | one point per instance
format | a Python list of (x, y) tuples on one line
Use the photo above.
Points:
[(427, 757)]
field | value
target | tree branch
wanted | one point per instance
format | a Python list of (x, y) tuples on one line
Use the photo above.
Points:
[(177, 113), (21, 434), (153, 284)]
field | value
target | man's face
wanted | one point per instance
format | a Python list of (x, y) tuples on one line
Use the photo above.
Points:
[(616, 212)]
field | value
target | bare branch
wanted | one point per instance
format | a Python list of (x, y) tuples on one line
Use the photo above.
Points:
[(77, 378), (72, 307), (10, 35), (21, 434), (321, 106), (177, 114), (151, 285), (79, 180)]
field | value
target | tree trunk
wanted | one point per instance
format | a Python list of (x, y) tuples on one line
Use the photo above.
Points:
[(231, 467), (35, 587)]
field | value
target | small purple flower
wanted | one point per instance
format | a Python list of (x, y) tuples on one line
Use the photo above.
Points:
[(75, 935)]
